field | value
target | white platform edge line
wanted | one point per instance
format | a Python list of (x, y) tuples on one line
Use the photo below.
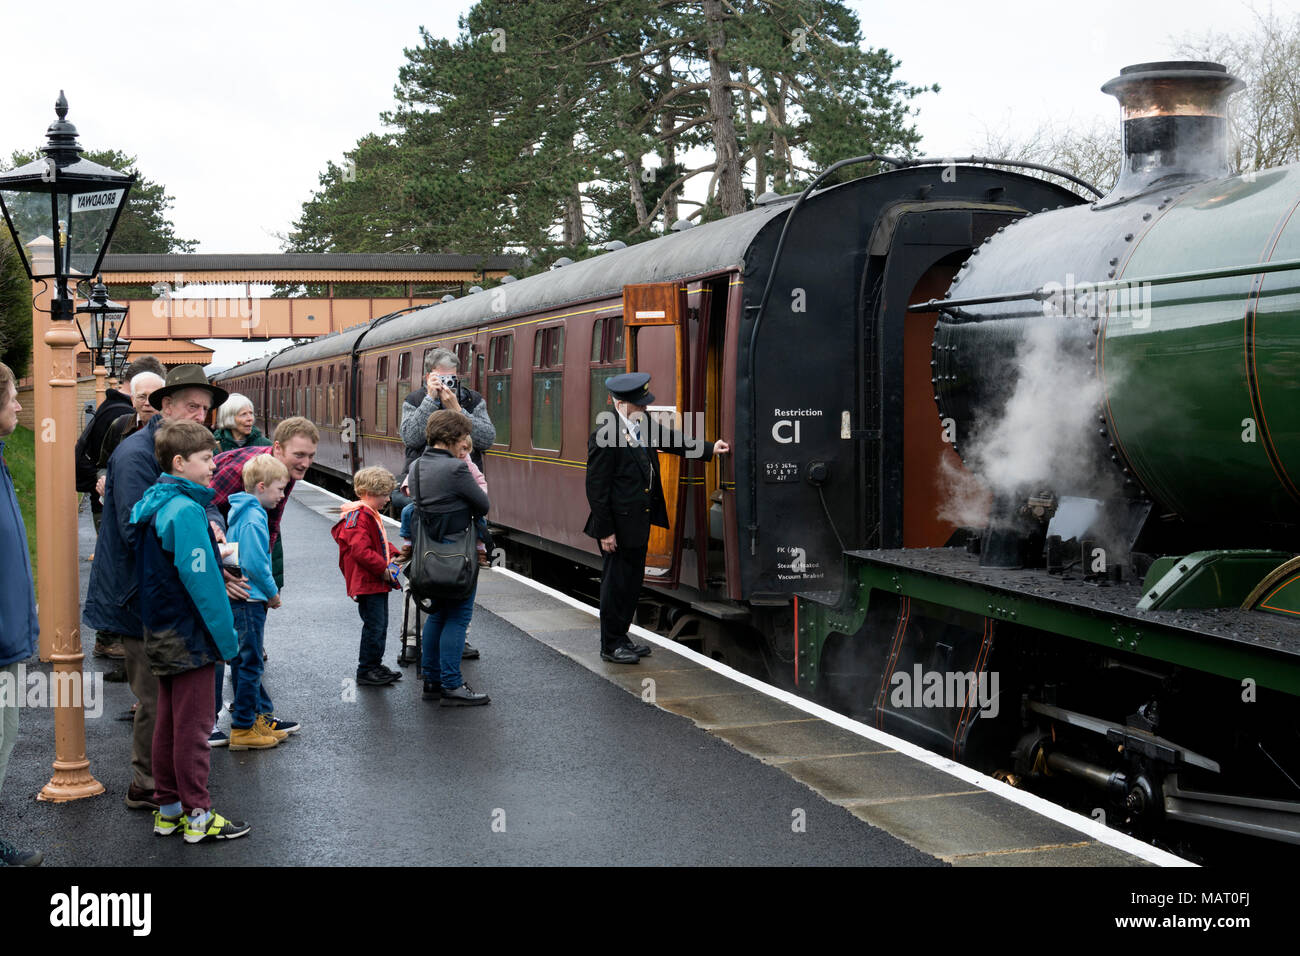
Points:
[(1076, 821)]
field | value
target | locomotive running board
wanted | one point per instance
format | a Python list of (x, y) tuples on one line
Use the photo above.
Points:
[(1271, 819)]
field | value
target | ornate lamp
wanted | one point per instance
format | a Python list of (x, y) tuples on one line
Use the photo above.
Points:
[(118, 357), (72, 200), (99, 321)]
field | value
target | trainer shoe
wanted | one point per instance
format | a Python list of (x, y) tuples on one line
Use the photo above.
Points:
[(281, 723), (375, 677), (137, 798), (463, 696), (10, 855), (166, 826), (218, 738), (469, 653), (217, 827), (256, 737)]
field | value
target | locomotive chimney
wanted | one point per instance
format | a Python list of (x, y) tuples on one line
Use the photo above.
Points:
[(1175, 124)]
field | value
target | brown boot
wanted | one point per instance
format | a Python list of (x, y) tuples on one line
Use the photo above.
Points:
[(250, 738)]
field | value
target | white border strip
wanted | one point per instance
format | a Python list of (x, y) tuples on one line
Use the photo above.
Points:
[(1076, 821)]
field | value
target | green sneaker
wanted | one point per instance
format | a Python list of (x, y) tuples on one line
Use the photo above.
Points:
[(166, 826), (218, 828)]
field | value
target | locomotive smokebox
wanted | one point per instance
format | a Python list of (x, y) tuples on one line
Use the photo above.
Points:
[(1175, 124), (1142, 351)]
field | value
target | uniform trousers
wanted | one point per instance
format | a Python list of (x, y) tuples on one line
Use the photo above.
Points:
[(620, 583)]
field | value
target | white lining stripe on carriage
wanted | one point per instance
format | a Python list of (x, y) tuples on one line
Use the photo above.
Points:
[(1076, 821)]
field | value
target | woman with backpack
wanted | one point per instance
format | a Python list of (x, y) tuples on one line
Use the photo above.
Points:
[(447, 500)]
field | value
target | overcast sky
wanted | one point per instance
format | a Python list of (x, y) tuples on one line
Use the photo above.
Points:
[(237, 107)]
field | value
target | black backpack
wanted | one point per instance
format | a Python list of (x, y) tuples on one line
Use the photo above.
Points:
[(440, 569)]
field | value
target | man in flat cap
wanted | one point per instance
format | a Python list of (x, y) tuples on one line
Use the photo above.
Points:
[(626, 498)]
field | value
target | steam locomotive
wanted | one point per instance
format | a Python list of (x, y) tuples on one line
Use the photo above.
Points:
[(1011, 469)]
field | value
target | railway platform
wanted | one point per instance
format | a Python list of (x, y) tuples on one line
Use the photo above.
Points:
[(675, 761)]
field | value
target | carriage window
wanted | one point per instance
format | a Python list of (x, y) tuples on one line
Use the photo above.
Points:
[(607, 360), (500, 353), (381, 395), (548, 385), (463, 352), (403, 376)]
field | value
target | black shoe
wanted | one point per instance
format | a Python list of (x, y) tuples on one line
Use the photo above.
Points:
[(397, 675), (463, 696), (432, 690), (10, 855), (469, 653), (640, 650), (138, 798), (375, 677), (622, 654)]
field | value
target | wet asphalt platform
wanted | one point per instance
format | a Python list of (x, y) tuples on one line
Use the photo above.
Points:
[(569, 764)]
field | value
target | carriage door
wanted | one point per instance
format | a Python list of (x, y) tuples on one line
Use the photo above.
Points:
[(653, 315)]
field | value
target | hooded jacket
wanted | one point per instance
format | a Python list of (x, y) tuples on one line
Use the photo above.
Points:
[(250, 529), (112, 600), (364, 550), (184, 610), (19, 627)]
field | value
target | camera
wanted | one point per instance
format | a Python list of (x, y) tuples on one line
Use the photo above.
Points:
[(451, 381)]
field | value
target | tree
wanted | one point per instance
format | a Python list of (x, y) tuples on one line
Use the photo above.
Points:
[(144, 226), (531, 129), (15, 308), (1092, 153), (1266, 115)]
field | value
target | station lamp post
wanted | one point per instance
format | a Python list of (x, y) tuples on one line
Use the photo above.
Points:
[(61, 211), (99, 322)]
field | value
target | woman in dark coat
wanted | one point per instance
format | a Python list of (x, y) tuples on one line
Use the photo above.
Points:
[(447, 500)]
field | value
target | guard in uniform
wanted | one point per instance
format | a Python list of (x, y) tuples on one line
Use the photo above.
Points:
[(626, 498)]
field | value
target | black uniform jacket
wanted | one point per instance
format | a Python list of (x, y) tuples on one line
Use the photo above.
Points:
[(623, 487)]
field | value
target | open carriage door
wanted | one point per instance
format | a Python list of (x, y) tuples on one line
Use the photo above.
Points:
[(654, 316)]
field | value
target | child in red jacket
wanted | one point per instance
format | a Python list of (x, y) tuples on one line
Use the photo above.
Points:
[(366, 558)]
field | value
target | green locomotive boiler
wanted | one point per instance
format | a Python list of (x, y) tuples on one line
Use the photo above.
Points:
[(1116, 613)]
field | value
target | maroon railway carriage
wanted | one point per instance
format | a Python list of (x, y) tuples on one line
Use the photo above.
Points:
[(811, 391)]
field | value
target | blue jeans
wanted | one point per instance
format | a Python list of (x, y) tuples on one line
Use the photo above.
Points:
[(264, 705), (373, 609), (444, 640), (251, 698)]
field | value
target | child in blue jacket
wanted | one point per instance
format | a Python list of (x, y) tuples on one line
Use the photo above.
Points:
[(265, 478), (187, 626)]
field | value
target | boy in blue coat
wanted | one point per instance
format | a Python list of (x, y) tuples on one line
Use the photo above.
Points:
[(265, 478), (187, 626)]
